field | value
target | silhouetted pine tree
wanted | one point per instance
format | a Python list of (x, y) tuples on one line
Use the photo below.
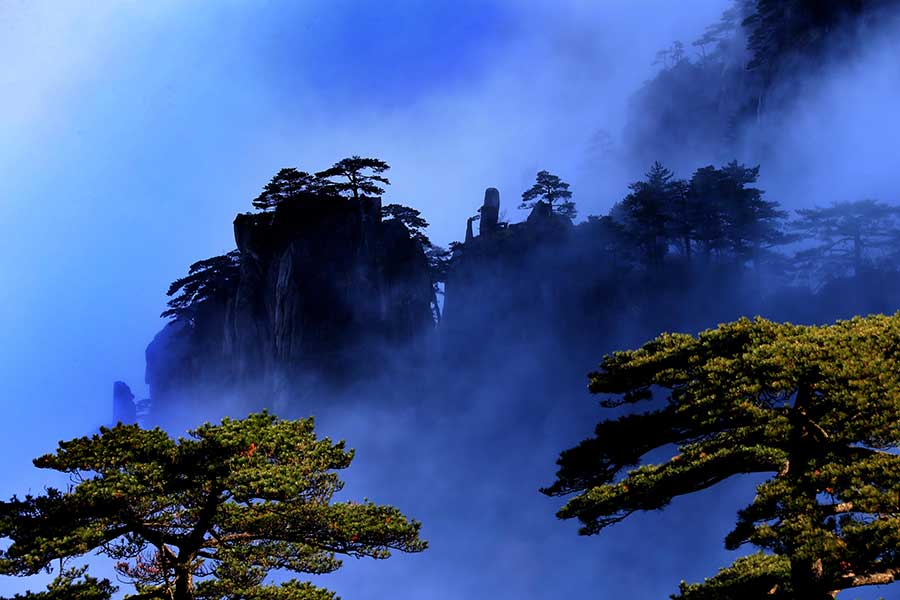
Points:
[(751, 222), (411, 218), (356, 177), (214, 277), (708, 211), (848, 236), (287, 184), (550, 189), (647, 213)]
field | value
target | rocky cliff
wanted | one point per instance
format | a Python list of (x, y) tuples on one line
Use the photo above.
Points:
[(323, 291), (318, 288), (523, 287)]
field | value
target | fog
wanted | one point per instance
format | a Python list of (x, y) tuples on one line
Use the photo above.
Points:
[(134, 132), (837, 144)]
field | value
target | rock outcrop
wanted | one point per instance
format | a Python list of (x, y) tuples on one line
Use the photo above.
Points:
[(490, 212), (503, 278), (323, 281), (124, 410), (323, 292)]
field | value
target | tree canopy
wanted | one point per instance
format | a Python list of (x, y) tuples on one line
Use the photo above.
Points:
[(356, 177), (214, 277), (847, 236), (411, 218), (438, 258), (551, 189), (718, 212), (207, 516), (647, 212), (751, 222), (817, 408), (288, 184), (72, 584)]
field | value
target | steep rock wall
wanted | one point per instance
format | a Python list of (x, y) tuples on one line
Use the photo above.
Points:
[(323, 281)]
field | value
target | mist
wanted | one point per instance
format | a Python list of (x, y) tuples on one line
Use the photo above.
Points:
[(838, 144), (133, 133)]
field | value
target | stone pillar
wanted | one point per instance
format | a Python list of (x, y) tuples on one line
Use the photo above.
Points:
[(490, 212)]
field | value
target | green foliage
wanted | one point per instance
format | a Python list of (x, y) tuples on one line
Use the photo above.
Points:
[(549, 188), (816, 407), (287, 185), (72, 584), (215, 277), (289, 590), (208, 516), (749, 578), (356, 177)]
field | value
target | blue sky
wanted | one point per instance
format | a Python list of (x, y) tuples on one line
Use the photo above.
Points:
[(132, 132)]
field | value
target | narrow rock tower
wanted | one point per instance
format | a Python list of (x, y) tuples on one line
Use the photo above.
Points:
[(490, 212)]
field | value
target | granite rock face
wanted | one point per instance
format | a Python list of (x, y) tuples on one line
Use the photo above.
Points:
[(323, 281)]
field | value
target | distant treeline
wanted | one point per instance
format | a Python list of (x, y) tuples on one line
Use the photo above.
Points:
[(720, 216)]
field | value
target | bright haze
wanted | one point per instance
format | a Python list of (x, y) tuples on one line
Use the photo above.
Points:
[(131, 133)]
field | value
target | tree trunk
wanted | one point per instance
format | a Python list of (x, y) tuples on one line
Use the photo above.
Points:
[(807, 575), (808, 581), (184, 583)]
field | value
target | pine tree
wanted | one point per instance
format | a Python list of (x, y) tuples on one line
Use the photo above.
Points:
[(817, 408), (717, 38), (708, 211), (212, 278), (647, 213), (203, 517), (682, 216), (438, 258), (412, 219), (356, 177), (286, 185), (848, 236), (550, 189), (751, 222), (729, 214)]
